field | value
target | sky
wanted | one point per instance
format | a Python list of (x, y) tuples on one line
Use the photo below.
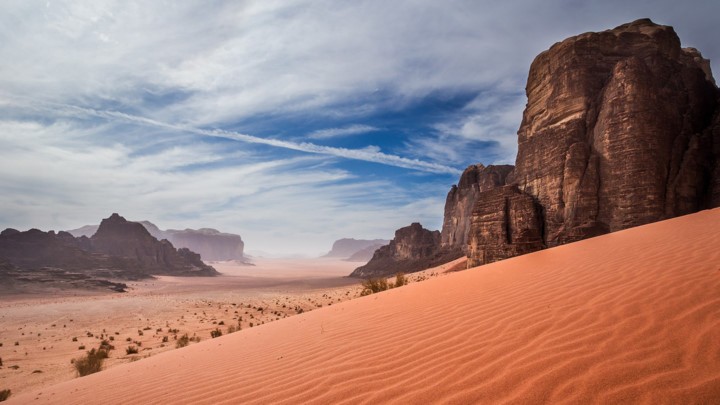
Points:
[(290, 123)]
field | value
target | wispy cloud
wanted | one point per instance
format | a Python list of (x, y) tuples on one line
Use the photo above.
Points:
[(52, 178), (329, 133), (368, 154)]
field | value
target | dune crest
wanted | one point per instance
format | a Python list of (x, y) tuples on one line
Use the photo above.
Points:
[(632, 316)]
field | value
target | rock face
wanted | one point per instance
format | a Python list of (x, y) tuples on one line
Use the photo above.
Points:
[(414, 248), (461, 201), (121, 238), (211, 244), (620, 129), (347, 247), (505, 223)]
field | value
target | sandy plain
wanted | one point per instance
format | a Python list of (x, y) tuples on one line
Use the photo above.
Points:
[(51, 326)]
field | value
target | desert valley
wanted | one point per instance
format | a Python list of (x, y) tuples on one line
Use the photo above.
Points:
[(587, 272)]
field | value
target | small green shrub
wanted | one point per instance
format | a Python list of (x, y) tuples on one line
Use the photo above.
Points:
[(4, 394), (215, 333), (131, 350)]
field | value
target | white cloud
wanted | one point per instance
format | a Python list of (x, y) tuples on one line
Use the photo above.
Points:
[(53, 178), (329, 133), (368, 154)]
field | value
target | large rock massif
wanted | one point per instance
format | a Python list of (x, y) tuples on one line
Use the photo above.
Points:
[(211, 244), (621, 128), (119, 237), (118, 250)]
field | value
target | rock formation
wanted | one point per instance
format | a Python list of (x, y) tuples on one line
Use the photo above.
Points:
[(462, 199), (620, 129), (118, 250), (414, 248), (347, 247), (211, 244), (121, 238)]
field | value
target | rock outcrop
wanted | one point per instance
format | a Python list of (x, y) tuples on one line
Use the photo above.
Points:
[(118, 250), (119, 237), (211, 244), (347, 247), (461, 201), (414, 248), (620, 129)]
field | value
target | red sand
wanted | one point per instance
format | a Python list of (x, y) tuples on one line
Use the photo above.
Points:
[(632, 316)]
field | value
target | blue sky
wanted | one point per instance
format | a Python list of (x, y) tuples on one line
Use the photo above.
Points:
[(291, 123)]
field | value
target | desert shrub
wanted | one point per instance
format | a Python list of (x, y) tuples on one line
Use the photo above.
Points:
[(165, 339), (4, 394), (400, 280), (131, 350), (215, 333), (81, 347), (74, 339), (0, 361), (183, 341), (231, 329), (374, 285), (91, 363), (106, 346)]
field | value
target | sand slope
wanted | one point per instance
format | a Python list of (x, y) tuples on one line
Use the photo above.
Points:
[(629, 317)]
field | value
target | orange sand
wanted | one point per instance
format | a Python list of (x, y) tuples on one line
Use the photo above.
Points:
[(629, 317)]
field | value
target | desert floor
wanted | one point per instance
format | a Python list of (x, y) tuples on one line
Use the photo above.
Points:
[(50, 330), (629, 317)]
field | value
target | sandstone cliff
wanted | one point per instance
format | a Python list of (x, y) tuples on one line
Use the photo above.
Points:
[(414, 248), (462, 199), (620, 130)]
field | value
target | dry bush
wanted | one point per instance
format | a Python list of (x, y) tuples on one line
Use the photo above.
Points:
[(91, 363), (374, 285), (4, 394)]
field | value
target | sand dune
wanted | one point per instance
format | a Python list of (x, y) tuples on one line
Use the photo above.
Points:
[(632, 316)]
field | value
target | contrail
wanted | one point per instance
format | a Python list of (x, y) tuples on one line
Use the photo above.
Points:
[(369, 154)]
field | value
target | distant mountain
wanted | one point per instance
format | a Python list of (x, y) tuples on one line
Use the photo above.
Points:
[(364, 255), (211, 244), (119, 237), (118, 249), (347, 247)]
